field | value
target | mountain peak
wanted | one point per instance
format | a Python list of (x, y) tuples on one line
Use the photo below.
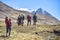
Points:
[(39, 10)]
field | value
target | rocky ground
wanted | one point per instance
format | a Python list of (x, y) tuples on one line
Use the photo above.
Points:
[(31, 32)]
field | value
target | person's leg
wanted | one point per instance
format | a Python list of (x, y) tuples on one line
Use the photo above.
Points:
[(22, 22), (6, 30), (18, 23), (9, 30), (30, 22), (27, 22), (34, 22)]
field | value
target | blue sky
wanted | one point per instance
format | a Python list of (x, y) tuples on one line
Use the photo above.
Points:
[(51, 6)]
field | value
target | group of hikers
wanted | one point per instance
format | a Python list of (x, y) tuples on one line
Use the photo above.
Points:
[(21, 18), (20, 21)]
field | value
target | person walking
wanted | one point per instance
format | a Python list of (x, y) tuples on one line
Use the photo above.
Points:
[(19, 20), (34, 19), (28, 19), (22, 19), (8, 26)]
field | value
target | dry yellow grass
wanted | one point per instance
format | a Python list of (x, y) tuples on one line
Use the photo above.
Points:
[(32, 32)]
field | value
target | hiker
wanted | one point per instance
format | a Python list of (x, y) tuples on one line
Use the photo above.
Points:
[(34, 19), (28, 19), (22, 19), (8, 26), (19, 20)]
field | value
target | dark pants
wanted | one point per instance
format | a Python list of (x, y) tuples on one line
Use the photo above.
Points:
[(34, 22), (21, 22), (8, 30), (29, 21)]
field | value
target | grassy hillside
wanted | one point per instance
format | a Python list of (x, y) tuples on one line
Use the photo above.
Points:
[(31, 32)]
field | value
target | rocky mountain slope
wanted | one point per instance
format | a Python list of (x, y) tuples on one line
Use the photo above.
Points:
[(43, 17)]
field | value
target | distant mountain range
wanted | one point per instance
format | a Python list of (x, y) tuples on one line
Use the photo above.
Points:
[(41, 11), (43, 16)]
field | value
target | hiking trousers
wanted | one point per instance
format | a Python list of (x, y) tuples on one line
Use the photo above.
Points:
[(8, 30)]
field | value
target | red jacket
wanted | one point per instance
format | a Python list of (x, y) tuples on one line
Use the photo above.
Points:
[(7, 22), (28, 17)]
